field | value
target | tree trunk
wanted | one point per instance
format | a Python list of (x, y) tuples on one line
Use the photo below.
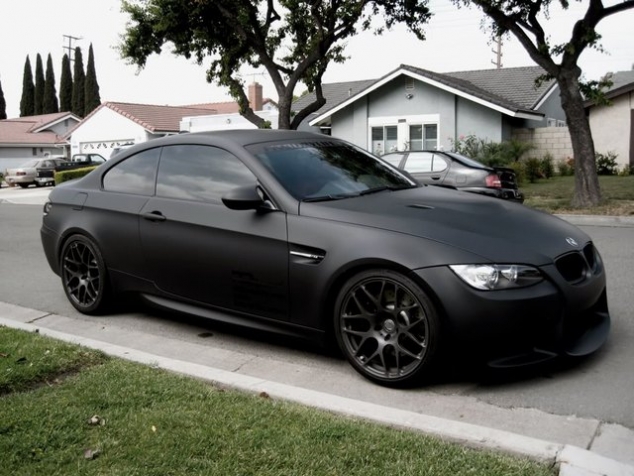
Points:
[(587, 191)]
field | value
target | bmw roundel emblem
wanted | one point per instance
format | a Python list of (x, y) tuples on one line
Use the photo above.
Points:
[(571, 242)]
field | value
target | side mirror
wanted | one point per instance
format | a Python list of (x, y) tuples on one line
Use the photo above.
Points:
[(245, 198)]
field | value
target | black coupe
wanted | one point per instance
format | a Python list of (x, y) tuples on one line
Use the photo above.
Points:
[(310, 235)]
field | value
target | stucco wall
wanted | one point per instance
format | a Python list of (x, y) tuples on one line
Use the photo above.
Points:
[(553, 140), (611, 127), (480, 121)]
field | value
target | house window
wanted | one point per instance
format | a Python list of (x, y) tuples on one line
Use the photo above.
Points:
[(416, 137), (384, 139), (34, 150), (431, 136)]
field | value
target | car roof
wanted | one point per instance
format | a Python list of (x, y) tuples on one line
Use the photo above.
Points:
[(254, 136)]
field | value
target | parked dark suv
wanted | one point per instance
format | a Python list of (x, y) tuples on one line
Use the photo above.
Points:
[(452, 170)]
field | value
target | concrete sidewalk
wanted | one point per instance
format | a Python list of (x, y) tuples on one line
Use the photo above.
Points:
[(611, 447)]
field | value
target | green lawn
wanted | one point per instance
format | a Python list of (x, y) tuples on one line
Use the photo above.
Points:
[(151, 422), (554, 195)]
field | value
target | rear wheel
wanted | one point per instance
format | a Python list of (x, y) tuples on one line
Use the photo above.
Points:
[(84, 275), (387, 327), (23, 185)]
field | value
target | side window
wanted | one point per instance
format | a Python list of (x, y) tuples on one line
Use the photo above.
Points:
[(393, 159), (97, 159), (419, 162), (198, 172), (439, 164), (135, 175)]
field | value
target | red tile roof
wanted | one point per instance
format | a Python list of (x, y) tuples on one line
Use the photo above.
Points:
[(31, 130)]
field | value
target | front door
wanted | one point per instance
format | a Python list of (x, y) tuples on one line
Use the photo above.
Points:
[(198, 249)]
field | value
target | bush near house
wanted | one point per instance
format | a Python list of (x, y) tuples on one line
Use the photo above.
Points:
[(66, 175), (607, 164)]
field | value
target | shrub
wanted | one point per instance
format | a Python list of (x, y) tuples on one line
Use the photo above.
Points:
[(566, 167), (488, 152), (626, 171), (606, 163), (533, 169), (546, 166), (520, 171), (66, 175)]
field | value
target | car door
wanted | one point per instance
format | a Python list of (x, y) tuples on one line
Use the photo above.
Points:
[(427, 167), (198, 249)]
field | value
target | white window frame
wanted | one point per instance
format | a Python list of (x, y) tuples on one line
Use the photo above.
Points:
[(402, 124)]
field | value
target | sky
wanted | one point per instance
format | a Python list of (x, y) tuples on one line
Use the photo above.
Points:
[(455, 42)]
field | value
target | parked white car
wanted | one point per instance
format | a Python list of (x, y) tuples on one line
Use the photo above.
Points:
[(38, 172)]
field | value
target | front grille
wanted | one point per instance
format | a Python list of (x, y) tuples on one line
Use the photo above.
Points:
[(578, 265)]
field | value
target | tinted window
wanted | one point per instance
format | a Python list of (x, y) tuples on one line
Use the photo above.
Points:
[(136, 174), (467, 161), (197, 172), (317, 169)]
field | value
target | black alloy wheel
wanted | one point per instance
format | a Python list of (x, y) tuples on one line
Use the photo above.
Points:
[(84, 275), (387, 327)]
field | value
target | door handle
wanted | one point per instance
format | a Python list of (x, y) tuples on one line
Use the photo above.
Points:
[(435, 177), (154, 216)]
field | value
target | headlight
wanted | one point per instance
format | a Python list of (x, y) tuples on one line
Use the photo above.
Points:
[(47, 208), (489, 277)]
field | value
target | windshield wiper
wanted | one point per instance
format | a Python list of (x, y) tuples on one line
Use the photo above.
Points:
[(386, 187), (325, 198)]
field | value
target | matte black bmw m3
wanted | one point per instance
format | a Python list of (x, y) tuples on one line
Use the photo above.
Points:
[(306, 234)]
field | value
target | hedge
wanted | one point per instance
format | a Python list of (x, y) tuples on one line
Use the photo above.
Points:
[(66, 175)]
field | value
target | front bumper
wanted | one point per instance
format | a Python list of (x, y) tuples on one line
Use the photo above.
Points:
[(522, 326)]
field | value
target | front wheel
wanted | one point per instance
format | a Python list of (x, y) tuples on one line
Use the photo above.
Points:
[(84, 275), (387, 327)]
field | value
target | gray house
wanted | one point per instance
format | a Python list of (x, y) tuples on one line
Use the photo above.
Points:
[(412, 108)]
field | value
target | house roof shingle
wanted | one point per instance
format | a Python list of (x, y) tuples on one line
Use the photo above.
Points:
[(31, 130), (510, 88)]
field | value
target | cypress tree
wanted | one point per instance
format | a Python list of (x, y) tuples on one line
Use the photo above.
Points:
[(50, 94), (66, 86), (39, 85), (3, 104), (27, 103), (91, 88), (79, 80)]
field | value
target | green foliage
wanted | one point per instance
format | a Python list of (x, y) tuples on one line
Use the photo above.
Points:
[(66, 175), (79, 79), (546, 166), (294, 40), (607, 164), (626, 171), (566, 167), (488, 152), (27, 103), (39, 86), (66, 86), (520, 171), (533, 169), (92, 99), (50, 94), (3, 104)]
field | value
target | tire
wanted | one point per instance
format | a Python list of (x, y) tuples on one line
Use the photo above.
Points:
[(23, 185), (387, 327), (84, 275)]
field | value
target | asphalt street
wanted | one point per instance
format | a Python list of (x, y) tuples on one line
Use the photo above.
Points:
[(579, 400)]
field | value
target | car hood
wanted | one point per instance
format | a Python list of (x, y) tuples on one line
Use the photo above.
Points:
[(494, 229)]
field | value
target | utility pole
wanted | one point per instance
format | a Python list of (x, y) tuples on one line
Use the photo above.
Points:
[(498, 52), (71, 50)]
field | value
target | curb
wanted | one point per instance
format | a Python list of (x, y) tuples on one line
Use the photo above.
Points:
[(572, 460)]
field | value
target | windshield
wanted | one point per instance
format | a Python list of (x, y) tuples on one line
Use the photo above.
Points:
[(327, 169)]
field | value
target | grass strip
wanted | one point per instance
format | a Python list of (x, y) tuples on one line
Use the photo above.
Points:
[(28, 359), (555, 194), (152, 422)]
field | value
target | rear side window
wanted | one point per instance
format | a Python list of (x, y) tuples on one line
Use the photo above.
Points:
[(136, 174), (199, 172)]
